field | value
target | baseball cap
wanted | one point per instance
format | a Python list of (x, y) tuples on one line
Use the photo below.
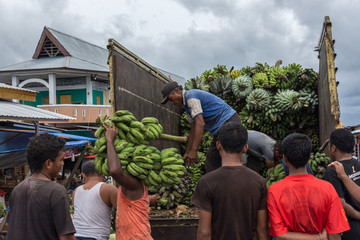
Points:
[(167, 89)]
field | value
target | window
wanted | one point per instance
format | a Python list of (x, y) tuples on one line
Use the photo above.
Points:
[(107, 111), (45, 100), (84, 112), (65, 99), (56, 110), (99, 112), (98, 100), (75, 112)]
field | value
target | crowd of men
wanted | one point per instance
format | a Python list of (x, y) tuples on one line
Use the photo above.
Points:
[(233, 199)]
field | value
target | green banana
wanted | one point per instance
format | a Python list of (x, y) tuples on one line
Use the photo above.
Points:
[(172, 160), (157, 166), (152, 181), (121, 134), (104, 168), (138, 169), (137, 134), (122, 126), (153, 156), (128, 149), (99, 131), (153, 131), (126, 118), (157, 128), (142, 159), (174, 167), (131, 138), (165, 178), (120, 113), (124, 162), (132, 171), (144, 165), (155, 176), (146, 120), (139, 125), (169, 173), (168, 152)]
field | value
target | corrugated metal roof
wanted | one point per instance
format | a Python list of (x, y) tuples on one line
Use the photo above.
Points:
[(3, 85), (81, 49), (11, 110), (55, 62)]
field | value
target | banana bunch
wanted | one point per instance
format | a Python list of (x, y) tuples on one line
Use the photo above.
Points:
[(310, 98), (235, 74), (273, 113), (318, 163), (288, 100), (101, 155), (242, 86), (129, 128), (275, 174), (100, 132), (258, 99), (175, 195), (172, 167), (197, 83), (294, 68), (276, 77), (308, 78), (152, 128), (260, 80), (221, 86)]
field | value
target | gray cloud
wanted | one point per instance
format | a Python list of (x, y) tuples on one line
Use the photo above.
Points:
[(251, 31)]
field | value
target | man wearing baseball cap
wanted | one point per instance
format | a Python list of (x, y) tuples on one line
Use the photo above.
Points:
[(205, 111)]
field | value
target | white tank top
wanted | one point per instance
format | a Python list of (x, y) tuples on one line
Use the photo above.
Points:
[(91, 214)]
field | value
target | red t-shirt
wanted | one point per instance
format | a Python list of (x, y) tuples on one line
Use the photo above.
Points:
[(305, 204)]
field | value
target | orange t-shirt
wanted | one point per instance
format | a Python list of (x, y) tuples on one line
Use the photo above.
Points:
[(132, 217)]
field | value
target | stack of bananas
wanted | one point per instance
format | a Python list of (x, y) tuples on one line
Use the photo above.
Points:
[(137, 158), (261, 80), (277, 77), (174, 195), (274, 174), (242, 86), (134, 131), (318, 163), (258, 99), (288, 100), (172, 167)]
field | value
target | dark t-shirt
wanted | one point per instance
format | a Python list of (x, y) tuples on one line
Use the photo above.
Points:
[(233, 195), (352, 169), (39, 209)]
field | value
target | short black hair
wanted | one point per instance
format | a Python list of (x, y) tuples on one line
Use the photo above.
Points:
[(232, 136), (41, 148), (343, 140), (278, 145), (88, 168), (297, 149)]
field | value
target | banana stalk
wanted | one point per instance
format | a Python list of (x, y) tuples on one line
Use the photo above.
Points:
[(180, 139)]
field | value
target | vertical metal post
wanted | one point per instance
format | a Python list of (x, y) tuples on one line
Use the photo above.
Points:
[(36, 124)]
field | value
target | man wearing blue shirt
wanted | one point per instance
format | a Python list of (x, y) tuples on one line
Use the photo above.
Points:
[(205, 111)]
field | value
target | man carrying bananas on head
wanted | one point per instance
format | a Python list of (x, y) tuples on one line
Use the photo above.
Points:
[(205, 111)]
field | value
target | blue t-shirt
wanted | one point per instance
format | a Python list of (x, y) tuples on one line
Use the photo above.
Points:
[(214, 110)]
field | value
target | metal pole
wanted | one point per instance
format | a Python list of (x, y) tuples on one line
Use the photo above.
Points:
[(36, 123)]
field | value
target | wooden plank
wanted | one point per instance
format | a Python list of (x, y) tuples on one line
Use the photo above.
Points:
[(329, 112), (17, 94), (136, 87)]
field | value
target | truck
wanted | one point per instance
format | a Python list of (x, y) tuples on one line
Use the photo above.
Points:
[(136, 86)]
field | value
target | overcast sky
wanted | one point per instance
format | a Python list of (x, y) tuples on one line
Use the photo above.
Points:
[(187, 37)]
